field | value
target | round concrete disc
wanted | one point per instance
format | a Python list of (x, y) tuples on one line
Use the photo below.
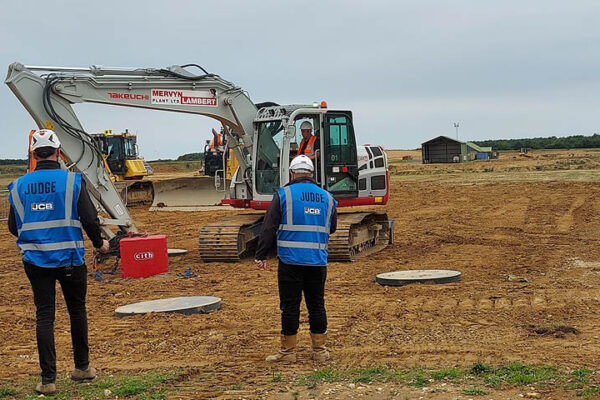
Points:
[(399, 278), (182, 305), (176, 252)]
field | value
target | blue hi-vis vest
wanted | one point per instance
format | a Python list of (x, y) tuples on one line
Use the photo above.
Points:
[(306, 212), (45, 205)]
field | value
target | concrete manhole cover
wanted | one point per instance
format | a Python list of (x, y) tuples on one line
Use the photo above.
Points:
[(182, 305), (176, 252), (399, 278)]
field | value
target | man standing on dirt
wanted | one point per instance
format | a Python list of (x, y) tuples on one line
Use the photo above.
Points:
[(300, 219), (49, 206)]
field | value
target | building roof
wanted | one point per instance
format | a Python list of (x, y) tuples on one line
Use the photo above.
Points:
[(479, 149), (442, 137), (472, 145)]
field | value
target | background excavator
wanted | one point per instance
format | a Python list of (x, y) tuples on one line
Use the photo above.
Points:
[(193, 193), (129, 173), (126, 168), (261, 137)]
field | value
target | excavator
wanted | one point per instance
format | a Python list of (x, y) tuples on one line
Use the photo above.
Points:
[(214, 153), (262, 138), (126, 169)]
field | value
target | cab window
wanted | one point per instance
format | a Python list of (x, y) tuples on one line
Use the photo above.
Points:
[(341, 149), (270, 140)]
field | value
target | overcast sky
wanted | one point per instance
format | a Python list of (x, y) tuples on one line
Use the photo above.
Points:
[(407, 69)]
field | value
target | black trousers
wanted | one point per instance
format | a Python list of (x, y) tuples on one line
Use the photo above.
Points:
[(293, 280), (73, 281)]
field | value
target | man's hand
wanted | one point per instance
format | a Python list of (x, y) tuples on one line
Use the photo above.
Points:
[(261, 264), (105, 246)]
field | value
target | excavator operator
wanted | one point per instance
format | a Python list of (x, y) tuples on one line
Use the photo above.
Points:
[(309, 146), (216, 142)]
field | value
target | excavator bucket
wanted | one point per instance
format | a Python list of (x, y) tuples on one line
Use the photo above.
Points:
[(186, 194), (135, 193)]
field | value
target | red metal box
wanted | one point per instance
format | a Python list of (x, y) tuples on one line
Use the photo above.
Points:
[(144, 256)]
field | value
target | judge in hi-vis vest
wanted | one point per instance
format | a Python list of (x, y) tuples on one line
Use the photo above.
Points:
[(309, 146), (300, 219), (48, 209)]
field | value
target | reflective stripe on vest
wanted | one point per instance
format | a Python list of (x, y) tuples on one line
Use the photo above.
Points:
[(302, 245), (18, 204), (309, 146), (219, 141), (30, 226), (51, 246)]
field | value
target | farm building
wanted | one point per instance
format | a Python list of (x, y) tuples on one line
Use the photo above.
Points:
[(444, 149), (475, 152)]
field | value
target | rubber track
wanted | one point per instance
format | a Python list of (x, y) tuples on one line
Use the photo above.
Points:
[(224, 240), (230, 239), (341, 245)]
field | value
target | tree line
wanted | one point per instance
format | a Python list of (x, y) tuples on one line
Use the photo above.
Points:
[(191, 157), (552, 142), (12, 161)]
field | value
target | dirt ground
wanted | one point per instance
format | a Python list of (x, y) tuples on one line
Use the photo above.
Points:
[(524, 235)]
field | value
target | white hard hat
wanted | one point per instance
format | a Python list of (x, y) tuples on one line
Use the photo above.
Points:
[(44, 138), (306, 125), (302, 163)]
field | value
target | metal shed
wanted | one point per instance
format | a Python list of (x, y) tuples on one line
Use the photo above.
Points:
[(443, 149), (475, 152)]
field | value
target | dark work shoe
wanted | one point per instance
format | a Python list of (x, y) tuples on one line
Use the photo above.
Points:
[(84, 375), (45, 388)]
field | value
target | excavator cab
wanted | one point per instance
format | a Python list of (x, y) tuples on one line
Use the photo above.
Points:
[(339, 160), (121, 155), (336, 167)]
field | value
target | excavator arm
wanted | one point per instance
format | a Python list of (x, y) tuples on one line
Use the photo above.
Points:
[(48, 98)]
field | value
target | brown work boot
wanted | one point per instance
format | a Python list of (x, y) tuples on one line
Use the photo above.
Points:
[(320, 353), (286, 353), (45, 388), (84, 375)]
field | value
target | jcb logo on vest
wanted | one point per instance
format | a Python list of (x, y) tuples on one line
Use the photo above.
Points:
[(310, 210), (144, 256), (42, 206)]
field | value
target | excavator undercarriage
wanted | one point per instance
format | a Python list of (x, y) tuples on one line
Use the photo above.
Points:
[(235, 237)]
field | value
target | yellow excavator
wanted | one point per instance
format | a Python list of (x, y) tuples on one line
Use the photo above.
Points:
[(129, 173), (125, 167)]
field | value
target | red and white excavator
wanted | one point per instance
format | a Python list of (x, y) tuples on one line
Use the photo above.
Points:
[(263, 138)]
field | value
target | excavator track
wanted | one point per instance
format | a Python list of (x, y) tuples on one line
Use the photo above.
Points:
[(231, 238), (234, 237), (359, 234)]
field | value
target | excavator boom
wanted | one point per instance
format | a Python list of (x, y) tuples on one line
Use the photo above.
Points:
[(48, 98)]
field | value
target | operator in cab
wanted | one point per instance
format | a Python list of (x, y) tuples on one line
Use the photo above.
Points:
[(48, 209), (309, 146), (300, 219), (216, 143)]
